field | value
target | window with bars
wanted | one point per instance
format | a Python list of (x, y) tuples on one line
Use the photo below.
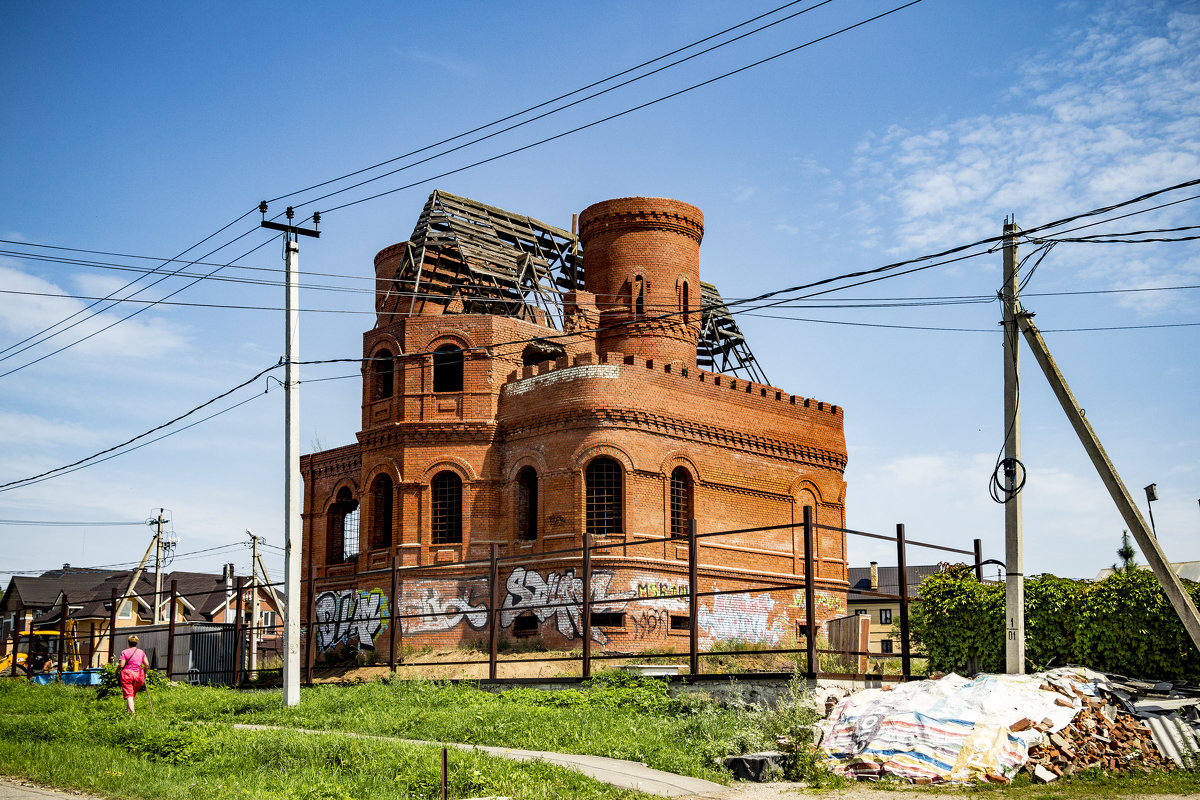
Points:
[(602, 480), (343, 527), (527, 504), (638, 295), (381, 513), (448, 369), (384, 368), (446, 508), (681, 501)]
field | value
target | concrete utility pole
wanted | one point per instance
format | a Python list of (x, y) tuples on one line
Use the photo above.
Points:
[(1014, 551), (253, 605), (158, 548), (292, 530)]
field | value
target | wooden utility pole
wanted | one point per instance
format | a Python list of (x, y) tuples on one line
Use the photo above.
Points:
[(1146, 540), (1014, 552), (292, 528)]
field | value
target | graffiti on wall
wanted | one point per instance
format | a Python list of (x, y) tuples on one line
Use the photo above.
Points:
[(831, 606), (442, 605), (350, 616), (662, 590), (558, 596), (742, 618)]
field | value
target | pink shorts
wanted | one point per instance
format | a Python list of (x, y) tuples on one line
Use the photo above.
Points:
[(131, 680)]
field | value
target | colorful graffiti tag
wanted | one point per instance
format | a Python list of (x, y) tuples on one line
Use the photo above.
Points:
[(354, 617)]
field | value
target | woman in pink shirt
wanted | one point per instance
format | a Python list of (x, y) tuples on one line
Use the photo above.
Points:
[(131, 668)]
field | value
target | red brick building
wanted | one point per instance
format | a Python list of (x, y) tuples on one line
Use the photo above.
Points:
[(524, 385)]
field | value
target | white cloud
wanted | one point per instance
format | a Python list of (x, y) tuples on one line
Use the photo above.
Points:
[(1115, 117), (141, 337)]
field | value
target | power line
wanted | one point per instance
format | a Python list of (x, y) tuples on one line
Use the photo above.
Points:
[(68, 524), (626, 112)]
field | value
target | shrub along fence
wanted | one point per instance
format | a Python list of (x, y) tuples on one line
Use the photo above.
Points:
[(1122, 624)]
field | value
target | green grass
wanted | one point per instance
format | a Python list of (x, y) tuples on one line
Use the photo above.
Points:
[(67, 736)]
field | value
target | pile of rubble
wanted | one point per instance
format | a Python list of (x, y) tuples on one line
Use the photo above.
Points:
[(1099, 736), (958, 730)]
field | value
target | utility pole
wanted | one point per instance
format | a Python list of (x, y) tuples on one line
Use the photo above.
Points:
[(292, 531), (1142, 533), (254, 631), (1014, 551), (158, 548)]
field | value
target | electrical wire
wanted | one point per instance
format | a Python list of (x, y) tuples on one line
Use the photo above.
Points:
[(48, 523)]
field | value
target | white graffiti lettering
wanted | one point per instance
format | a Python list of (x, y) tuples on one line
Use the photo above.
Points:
[(558, 596), (741, 617), (440, 605)]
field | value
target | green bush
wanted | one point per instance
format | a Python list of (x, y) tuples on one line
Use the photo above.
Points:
[(110, 682), (1122, 624)]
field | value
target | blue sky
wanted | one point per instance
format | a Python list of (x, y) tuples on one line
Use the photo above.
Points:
[(142, 128)]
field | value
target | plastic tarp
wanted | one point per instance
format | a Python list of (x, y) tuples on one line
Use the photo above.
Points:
[(88, 677), (952, 729)]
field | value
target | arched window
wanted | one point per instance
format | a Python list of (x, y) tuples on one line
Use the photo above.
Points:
[(446, 508), (448, 369), (602, 480), (381, 513), (343, 527), (639, 291), (682, 508), (527, 504), (384, 375), (684, 302)]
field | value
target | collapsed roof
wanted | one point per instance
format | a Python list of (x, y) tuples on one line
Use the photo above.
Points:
[(465, 257)]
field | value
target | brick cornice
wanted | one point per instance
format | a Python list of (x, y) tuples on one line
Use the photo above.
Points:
[(476, 432), (678, 428), (342, 461)]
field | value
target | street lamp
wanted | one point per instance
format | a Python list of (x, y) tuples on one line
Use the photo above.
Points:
[(1152, 495)]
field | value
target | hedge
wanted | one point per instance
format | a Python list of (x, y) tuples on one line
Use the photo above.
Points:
[(1122, 624)]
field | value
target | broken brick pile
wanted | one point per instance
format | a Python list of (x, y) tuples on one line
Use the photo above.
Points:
[(1100, 736)]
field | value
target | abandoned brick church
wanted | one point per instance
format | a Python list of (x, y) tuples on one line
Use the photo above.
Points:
[(523, 386)]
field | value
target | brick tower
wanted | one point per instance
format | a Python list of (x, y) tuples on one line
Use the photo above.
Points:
[(643, 265)]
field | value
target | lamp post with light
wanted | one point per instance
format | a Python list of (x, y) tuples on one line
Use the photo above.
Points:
[(1151, 496)]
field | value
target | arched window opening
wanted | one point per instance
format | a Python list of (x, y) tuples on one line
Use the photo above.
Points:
[(602, 480), (381, 513), (684, 303), (527, 504), (448, 369), (385, 372), (639, 301), (343, 527), (682, 508), (446, 508)]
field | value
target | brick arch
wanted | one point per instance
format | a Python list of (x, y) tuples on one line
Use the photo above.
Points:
[(445, 336), (679, 459), (801, 485), (344, 483), (527, 458), (386, 340), (452, 463), (581, 457)]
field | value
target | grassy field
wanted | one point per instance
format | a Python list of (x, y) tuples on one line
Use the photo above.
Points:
[(71, 738), (68, 737)]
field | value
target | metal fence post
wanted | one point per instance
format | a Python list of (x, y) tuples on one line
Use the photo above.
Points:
[(112, 628), (395, 621), (17, 638), (587, 606), (810, 593), (62, 635), (493, 608), (902, 577), (979, 559), (238, 633), (693, 602), (311, 627), (171, 628)]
